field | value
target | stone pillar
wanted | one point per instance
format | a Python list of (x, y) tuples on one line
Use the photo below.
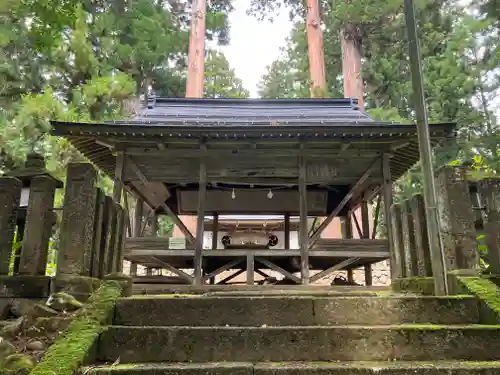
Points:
[(10, 195), (38, 227), (99, 235), (399, 268), (421, 237), (77, 227), (409, 245), (491, 191), (456, 219)]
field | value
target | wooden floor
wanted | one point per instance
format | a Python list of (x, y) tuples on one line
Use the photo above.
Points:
[(154, 252)]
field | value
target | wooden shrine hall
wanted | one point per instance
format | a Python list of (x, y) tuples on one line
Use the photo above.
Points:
[(309, 158)]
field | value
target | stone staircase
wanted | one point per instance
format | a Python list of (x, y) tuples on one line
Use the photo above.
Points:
[(272, 334)]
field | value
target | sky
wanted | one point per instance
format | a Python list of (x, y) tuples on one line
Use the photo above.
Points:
[(254, 44)]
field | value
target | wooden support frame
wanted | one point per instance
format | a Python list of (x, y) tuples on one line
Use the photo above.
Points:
[(118, 180), (287, 230), (276, 268), (317, 233), (230, 277), (173, 216), (172, 269), (303, 232), (221, 269), (377, 216), (215, 231), (387, 192), (336, 267), (250, 268), (200, 222)]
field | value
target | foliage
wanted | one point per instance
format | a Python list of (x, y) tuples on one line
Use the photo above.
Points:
[(220, 79)]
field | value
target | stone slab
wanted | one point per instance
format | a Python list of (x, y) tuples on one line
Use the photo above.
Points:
[(283, 311), (25, 286), (313, 368), (80, 287), (277, 344)]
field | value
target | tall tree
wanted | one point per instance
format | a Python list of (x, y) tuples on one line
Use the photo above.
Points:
[(220, 79)]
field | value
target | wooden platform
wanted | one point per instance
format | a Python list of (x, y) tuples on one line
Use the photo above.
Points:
[(154, 252)]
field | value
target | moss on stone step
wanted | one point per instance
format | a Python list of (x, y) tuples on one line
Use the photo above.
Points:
[(75, 345)]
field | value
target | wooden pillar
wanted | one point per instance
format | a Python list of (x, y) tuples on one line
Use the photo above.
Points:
[(287, 231), (304, 236), (456, 219), (138, 217), (77, 226), (491, 191), (215, 231), (117, 264), (387, 194), (196, 53), (154, 225), (250, 268), (350, 276), (421, 236), (107, 239), (315, 49), (202, 196), (10, 195), (121, 233), (365, 227), (346, 226)]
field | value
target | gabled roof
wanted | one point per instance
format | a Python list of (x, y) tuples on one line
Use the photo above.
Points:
[(220, 112)]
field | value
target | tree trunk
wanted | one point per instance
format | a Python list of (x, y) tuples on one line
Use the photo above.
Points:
[(351, 65), (315, 49), (196, 57)]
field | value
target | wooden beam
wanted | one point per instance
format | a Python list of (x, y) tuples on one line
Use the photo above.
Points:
[(250, 268), (317, 234), (118, 180), (230, 277), (358, 228), (303, 233), (221, 269), (215, 231), (202, 200), (287, 230), (387, 191), (377, 215), (276, 268), (333, 268), (167, 209), (172, 269), (365, 220)]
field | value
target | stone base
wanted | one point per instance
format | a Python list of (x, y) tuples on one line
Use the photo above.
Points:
[(80, 287), (25, 286), (125, 280)]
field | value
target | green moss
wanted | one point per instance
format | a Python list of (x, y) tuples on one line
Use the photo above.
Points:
[(74, 346), (419, 285)]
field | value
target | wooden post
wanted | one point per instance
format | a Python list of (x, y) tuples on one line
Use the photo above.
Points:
[(10, 195), (315, 49), (196, 53), (154, 225), (107, 238), (138, 217), (350, 276), (365, 226), (202, 195), (287, 231), (215, 231), (409, 243), (387, 192), (250, 268), (99, 233), (304, 235)]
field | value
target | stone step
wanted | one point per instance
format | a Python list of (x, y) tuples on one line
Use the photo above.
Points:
[(320, 343), (304, 368), (172, 310)]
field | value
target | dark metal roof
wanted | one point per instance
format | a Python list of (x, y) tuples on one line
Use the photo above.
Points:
[(249, 111)]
